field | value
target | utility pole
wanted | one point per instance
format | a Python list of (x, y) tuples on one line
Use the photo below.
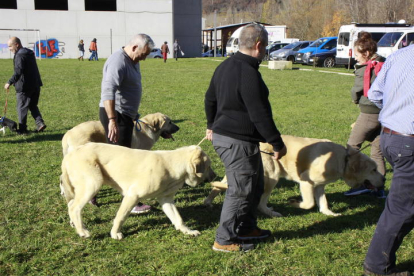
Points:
[(215, 33)]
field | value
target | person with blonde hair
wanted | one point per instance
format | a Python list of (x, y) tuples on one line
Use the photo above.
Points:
[(81, 48)]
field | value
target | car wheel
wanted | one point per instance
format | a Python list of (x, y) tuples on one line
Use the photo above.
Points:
[(329, 62), (291, 58), (157, 57)]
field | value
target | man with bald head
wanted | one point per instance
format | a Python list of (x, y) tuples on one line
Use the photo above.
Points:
[(121, 92), (27, 82), (239, 116)]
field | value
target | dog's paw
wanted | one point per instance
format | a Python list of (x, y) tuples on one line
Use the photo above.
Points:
[(84, 233), (294, 202), (208, 203), (330, 213), (192, 232), (117, 236), (275, 214)]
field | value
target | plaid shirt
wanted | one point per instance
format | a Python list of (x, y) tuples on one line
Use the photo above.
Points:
[(393, 91)]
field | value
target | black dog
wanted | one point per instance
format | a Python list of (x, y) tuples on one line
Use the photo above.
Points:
[(12, 125)]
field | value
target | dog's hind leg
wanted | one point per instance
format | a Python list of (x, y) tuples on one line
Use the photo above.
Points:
[(171, 211), (270, 183), (308, 201), (322, 202), (128, 202), (209, 199)]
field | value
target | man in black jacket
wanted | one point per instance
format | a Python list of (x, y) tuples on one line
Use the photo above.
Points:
[(26, 79), (239, 116)]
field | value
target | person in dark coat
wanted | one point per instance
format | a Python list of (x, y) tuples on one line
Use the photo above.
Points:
[(27, 82)]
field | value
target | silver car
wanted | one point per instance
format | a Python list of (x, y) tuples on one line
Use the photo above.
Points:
[(289, 51), (155, 53)]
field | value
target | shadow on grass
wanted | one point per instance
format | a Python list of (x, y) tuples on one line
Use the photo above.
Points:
[(34, 137)]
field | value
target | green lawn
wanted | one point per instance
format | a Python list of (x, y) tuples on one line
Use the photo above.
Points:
[(35, 236)]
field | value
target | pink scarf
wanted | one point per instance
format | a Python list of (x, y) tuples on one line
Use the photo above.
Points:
[(377, 65)]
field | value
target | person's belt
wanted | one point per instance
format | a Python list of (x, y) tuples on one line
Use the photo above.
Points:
[(390, 131)]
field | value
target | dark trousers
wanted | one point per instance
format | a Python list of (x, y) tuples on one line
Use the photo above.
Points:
[(397, 219), (125, 127), (26, 101), (245, 180)]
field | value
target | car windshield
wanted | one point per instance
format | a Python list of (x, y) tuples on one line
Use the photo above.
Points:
[(389, 39), (292, 45), (230, 41), (318, 42)]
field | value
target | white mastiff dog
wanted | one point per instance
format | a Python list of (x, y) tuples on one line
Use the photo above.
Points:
[(313, 163), (136, 174)]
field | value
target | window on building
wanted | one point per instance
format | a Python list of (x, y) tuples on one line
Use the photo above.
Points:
[(8, 4), (100, 5), (60, 5)]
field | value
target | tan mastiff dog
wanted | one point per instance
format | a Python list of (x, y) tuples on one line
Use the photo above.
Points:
[(313, 163), (136, 174)]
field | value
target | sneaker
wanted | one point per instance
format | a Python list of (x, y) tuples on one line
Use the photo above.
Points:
[(357, 191), (40, 127), (255, 235), (141, 209), (235, 247), (397, 273), (379, 194)]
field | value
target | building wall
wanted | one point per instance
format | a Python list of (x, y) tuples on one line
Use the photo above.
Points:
[(63, 29)]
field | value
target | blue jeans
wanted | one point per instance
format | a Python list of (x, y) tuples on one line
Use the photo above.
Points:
[(397, 219), (245, 180), (94, 55)]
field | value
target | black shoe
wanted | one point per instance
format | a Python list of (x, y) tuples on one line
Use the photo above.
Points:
[(255, 234), (397, 273), (40, 127), (22, 132)]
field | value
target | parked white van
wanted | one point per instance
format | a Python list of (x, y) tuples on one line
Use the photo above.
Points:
[(348, 34), (276, 33), (393, 41)]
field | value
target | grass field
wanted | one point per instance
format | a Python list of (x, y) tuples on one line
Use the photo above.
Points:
[(35, 236)]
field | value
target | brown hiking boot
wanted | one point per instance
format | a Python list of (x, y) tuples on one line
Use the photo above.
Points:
[(255, 235), (235, 247)]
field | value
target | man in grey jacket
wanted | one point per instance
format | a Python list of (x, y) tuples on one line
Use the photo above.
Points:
[(121, 93), (26, 79)]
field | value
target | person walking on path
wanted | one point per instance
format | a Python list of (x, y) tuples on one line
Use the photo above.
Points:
[(27, 82), (121, 93), (239, 116), (93, 48), (393, 93), (165, 50)]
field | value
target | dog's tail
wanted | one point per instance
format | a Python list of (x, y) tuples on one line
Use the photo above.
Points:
[(69, 192)]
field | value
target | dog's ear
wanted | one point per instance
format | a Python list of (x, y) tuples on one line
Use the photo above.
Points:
[(198, 161), (158, 121)]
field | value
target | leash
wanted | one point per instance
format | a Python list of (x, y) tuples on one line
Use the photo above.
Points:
[(361, 149), (5, 105), (202, 140)]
